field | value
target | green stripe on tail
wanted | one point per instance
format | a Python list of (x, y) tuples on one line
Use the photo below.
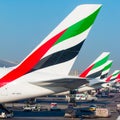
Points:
[(78, 27)]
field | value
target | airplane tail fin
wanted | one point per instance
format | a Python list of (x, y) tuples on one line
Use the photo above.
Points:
[(106, 69), (95, 69), (113, 76), (72, 32), (58, 51), (118, 78)]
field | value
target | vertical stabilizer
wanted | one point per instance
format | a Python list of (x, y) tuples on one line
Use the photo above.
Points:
[(58, 51), (113, 76), (118, 78), (95, 69), (106, 69), (75, 28)]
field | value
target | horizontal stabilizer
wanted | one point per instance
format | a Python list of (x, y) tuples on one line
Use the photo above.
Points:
[(69, 83)]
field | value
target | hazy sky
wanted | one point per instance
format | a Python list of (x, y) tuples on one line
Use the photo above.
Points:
[(25, 23)]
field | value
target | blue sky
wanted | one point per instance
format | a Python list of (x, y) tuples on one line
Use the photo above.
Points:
[(25, 23)]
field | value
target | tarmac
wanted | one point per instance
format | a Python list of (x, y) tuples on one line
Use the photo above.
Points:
[(19, 114)]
